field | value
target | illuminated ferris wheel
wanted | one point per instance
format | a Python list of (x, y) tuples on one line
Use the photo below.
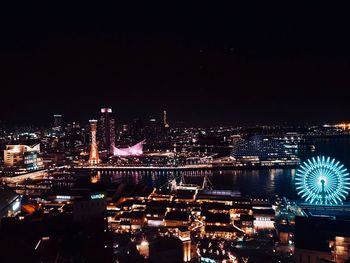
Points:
[(322, 181)]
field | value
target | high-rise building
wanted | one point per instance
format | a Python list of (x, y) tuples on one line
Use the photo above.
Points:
[(138, 130), (165, 121), (57, 122), (94, 156), (152, 129), (106, 135)]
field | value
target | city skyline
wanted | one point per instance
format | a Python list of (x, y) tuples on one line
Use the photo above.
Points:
[(48, 122), (174, 133), (154, 133)]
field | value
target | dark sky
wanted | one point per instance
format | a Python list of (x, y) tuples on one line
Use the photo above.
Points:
[(207, 65)]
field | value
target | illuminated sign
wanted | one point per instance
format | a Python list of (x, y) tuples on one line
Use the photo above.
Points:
[(97, 196)]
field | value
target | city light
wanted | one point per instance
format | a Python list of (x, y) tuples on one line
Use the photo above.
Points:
[(63, 197), (97, 196), (137, 138)]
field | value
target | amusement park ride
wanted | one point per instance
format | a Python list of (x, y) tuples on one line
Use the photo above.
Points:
[(323, 181)]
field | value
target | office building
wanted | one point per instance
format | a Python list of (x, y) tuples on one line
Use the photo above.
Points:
[(57, 123), (165, 121), (138, 130), (106, 130)]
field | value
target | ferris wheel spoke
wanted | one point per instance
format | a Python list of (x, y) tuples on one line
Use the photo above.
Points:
[(322, 180)]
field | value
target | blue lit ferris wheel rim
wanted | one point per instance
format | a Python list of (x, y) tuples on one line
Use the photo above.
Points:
[(322, 180)]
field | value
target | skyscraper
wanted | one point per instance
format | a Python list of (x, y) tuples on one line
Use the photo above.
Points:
[(165, 121), (57, 122), (106, 134), (138, 130)]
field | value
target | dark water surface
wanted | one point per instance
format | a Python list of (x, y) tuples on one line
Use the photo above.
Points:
[(248, 182)]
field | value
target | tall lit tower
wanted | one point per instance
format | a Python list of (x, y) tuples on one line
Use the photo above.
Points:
[(106, 130), (165, 122), (94, 158)]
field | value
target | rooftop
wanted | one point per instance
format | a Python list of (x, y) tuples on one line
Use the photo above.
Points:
[(216, 217), (231, 229), (133, 215), (177, 215)]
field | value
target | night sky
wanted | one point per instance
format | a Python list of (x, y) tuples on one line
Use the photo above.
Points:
[(207, 65)]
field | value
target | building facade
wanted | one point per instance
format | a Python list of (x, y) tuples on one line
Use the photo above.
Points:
[(23, 157), (106, 130), (57, 123)]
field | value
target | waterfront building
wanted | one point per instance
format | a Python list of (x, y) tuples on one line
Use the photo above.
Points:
[(106, 130), (262, 150), (215, 214), (263, 147), (22, 157)]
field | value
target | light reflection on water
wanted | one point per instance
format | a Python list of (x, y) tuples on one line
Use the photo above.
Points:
[(248, 182)]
